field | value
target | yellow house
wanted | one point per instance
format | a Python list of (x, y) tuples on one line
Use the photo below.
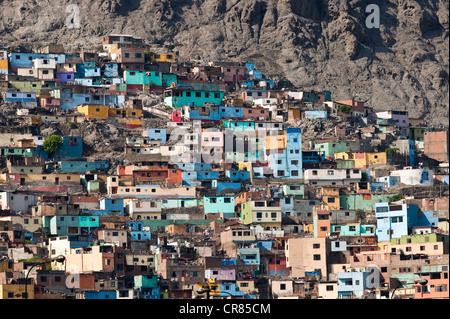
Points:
[(16, 291), (3, 64), (98, 112), (247, 286), (330, 197), (125, 112), (55, 179), (363, 160), (128, 117), (163, 57)]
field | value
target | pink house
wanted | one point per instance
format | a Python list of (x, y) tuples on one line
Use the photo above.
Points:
[(220, 274), (50, 103)]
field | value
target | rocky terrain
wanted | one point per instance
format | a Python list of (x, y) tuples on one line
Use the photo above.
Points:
[(312, 44)]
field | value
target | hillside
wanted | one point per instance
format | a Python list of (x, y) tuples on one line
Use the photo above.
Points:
[(313, 44)]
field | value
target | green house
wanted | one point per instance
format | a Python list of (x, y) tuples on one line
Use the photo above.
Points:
[(27, 86), (331, 148), (297, 190), (362, 201)]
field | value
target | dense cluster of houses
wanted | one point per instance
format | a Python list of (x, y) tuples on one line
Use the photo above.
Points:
[(227, 200)]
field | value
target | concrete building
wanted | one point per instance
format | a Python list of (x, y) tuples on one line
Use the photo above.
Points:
[(307, 255)]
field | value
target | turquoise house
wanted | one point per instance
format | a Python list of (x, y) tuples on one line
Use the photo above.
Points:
[(185, 96), (145, 281), (239, 125), (219, 204), (169, 79), (143, 77), (354, 230), (70, 225)]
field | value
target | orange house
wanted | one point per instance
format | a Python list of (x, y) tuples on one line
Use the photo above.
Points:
[(158, 173), (321, 221), (436, 286)]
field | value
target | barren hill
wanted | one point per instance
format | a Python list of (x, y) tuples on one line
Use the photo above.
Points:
[(314, 44)]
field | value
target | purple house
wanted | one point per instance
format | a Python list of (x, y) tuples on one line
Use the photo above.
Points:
[(400, 118), (220, 274), (64, 77)]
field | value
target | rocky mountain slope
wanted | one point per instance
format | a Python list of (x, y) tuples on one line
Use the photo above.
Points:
[(313, 44)]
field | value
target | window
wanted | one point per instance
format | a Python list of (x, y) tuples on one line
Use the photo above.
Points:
[(227, 200), (198, 94), (316, 257), (330, 288), (316, 246), (282, 286), (440, 288)]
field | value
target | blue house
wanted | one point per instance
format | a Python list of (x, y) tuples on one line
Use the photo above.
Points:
[(140, 235), (150, 292), (207, 175), (287, 206), (75, 166), (159, 134), (394, 221), (231, 112), (102, 294), (211, 114), (250, 256), (72, 147), (194, 166), (230, 289), (226, 187), (190, 178), (25, 60), (288, 164), (351, 284), (20, 97), (115, 205), (238, 175)]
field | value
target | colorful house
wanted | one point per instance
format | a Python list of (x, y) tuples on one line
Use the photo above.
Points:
[(98, 112), (182, 96)]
